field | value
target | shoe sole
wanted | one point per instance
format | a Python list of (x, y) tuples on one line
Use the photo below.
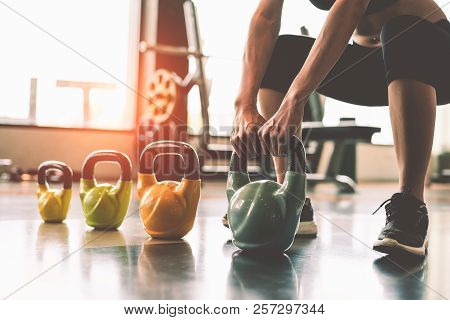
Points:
[(392, 246), (225, 223), (307, 229)]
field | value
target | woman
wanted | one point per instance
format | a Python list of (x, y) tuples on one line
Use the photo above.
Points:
[(400, 57)]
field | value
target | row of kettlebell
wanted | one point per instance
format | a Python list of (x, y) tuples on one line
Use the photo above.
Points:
[(263, 215), (167, 208)]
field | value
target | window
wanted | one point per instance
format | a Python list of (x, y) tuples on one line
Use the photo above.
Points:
[(46, 77)]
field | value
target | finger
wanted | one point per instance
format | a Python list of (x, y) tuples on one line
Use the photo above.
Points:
[(233, 140), (244, 144), (265, 141), (249, 146), (258, 146), (254, 141), (237, 145), (274, 144), (282, 145), (234, 144)]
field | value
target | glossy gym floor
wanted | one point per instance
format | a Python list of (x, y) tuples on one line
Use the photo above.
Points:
[(71, 261)]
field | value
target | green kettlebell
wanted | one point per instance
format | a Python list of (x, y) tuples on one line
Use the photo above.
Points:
[(54, 204), (263, 215), (105, 205)]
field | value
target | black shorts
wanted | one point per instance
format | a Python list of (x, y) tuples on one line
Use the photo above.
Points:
[(412, 48)]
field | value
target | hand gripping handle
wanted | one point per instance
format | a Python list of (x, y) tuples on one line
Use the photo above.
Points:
[(182, 149), (95, 157), (296, 158), (55, 165)]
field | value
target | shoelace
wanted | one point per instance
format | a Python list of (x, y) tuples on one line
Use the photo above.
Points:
[(381, 205), (392, 208)]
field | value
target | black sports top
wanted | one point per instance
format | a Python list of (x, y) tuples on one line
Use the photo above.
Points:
[(374, 5)]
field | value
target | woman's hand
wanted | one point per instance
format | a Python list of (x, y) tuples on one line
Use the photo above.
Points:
[(244, 137), (275, 133)]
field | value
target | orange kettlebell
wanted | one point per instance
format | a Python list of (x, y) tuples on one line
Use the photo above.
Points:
[(168, 208), (53, 204)]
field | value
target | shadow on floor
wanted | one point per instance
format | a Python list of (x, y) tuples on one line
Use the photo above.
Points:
[(402, 276)]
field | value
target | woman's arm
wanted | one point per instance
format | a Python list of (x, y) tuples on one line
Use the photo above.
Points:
[(339, 26), (262, 35)]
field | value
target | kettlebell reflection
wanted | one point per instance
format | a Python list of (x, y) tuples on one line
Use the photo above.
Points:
[(105, 254), (262, 277), (166, 270), (99, 238), (51, 236)]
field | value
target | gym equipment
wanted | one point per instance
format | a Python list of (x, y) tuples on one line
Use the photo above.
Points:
[(166, 90), (168, 208), (163, 108), (168, 83), (263, 215), (443, 168), (162, 95), (54, 204), (172, 52), (5, 169), (105, 205)]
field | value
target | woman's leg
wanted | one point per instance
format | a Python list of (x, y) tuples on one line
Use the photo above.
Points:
[(415, 54), (412, 106), (269, 102)]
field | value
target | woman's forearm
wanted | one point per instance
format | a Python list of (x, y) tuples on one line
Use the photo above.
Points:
[(262, 35), (328, 48)]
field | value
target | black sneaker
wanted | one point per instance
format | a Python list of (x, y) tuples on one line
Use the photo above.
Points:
[(306, 226), (406, 226)]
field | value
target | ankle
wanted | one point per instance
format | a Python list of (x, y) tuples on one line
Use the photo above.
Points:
[(415, 192)]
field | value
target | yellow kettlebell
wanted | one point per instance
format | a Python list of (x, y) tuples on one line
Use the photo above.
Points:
[(168, 208), (105, 205), (54, 204)]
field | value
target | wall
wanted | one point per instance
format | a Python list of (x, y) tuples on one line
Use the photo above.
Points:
[(29, 146), (376, 163)]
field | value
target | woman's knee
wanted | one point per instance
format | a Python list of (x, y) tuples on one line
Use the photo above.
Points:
[(287, 58)]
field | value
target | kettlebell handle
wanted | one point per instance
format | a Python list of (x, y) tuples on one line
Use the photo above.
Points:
[(55, 165), (296, 158), (184, 150), (95, 157)]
